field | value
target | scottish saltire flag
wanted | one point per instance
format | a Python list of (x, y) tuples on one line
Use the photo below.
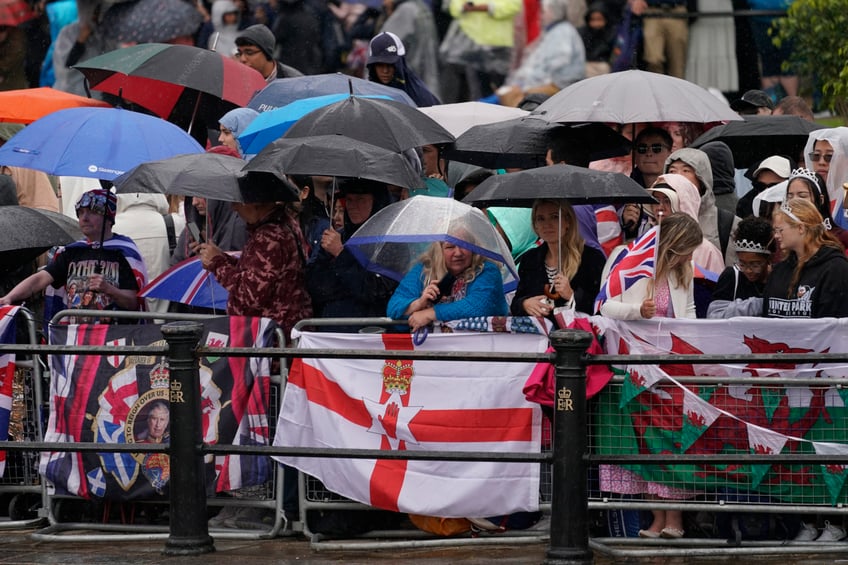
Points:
[(7, 375), (399, 404), (658, 410), (633, 263), (109, 399)]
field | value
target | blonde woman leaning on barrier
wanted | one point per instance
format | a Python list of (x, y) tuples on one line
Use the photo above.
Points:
[(668, 294)]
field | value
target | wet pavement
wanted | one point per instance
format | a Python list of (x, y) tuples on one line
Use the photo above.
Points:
[(19, 548)]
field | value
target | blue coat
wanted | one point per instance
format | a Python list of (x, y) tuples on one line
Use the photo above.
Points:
[(484, 296)]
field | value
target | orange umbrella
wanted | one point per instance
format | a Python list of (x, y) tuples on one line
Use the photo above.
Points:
[(27, 105)]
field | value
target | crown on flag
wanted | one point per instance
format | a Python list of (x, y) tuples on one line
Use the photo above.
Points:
[(397, 376), (160, 376)]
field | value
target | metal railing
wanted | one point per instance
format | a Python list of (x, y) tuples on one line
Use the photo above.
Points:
[(188, 532)]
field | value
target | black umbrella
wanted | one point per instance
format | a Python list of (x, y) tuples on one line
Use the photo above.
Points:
[(384, 123), (578, 185), (524, 142), (29, 232), (207, 175), (332, 155), (758, 137)]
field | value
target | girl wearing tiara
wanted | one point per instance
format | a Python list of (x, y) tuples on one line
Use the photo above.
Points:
[(812, 281), (804, 183), (739, 290)]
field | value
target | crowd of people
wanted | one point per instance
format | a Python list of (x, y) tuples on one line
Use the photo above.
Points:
[(773, 236)]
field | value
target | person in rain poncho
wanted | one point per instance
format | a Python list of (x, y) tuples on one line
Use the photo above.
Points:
[(826, 153), (225, 22), (412, 22)]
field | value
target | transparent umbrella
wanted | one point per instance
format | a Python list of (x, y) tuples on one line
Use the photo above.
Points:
[(392, 240)]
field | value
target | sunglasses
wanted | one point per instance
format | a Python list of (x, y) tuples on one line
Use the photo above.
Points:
[(642, 148), (97, 203), (816, 157)]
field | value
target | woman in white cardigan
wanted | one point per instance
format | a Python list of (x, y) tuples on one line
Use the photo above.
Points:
[(667, 294)]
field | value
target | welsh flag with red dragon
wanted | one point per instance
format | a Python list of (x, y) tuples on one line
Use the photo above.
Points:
[(656, 411)]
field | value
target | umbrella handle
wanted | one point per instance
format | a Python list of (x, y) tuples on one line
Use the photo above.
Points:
[(420, 335)]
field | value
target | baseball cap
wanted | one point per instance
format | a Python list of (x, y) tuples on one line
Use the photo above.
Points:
[(777, 164), (753, 99), (386, 47)]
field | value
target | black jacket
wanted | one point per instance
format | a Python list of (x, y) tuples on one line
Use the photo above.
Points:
[(821, 292), (533, 278)]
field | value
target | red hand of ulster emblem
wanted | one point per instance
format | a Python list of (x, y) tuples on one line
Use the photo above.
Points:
[(389, 419)]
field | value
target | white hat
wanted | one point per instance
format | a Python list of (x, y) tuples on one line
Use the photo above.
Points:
[(777, 164)]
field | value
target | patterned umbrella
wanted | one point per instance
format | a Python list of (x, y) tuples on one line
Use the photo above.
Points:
[(174, 81), (15, 12), (188, 282)]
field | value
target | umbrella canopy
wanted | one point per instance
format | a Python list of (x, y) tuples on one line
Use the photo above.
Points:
[(99, 143), (392, 240), (283, 91), (188, 282), (15, 12), (170, 80), (29, 232), (150, 21), (384, 123), (524, 142), (207, 175), (26, 105), (462, 116), (635, 96), (757, 137), (271, 125), (578, 185), (333, 155)]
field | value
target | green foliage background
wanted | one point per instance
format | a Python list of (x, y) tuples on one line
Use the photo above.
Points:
[(818, 30)]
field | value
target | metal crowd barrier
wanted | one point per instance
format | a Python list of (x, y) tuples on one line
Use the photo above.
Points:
[(570, 460), (20, 481), (56, 506)]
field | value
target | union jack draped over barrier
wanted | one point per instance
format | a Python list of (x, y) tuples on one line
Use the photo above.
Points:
[(656, 411), (109, 399), (399, 404), (7, 375)]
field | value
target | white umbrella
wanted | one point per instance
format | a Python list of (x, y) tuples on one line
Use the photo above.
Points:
[(635, 96), (462, 116)]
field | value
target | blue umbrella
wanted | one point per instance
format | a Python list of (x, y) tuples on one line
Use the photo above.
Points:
[(284, 91), (100, 143), (270, 126)]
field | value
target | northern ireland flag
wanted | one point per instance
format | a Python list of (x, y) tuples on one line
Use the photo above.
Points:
[(7, 375), (399, 404)]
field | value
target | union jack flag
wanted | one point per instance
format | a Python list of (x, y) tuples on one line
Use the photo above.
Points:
[(632, 264)]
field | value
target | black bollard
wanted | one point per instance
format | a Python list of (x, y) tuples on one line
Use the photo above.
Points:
[(569, 505), (189, 530)]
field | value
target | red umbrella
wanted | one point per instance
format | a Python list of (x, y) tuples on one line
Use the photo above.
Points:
[(175, 82), (15, 12)]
